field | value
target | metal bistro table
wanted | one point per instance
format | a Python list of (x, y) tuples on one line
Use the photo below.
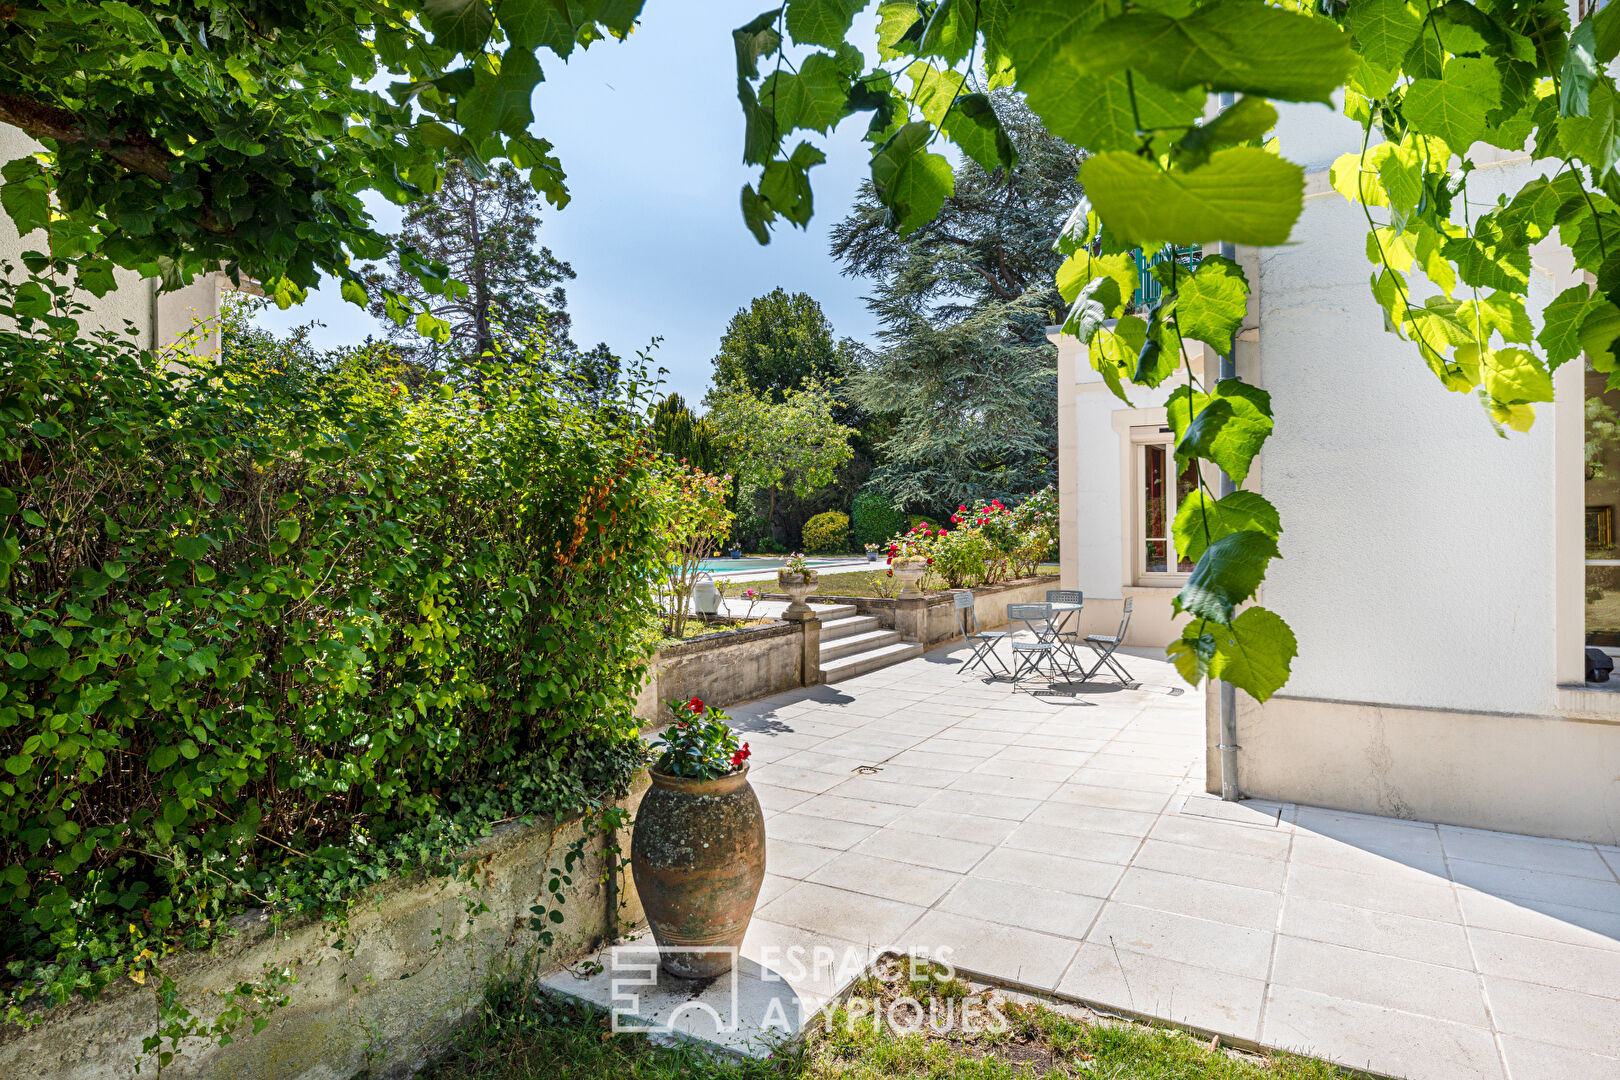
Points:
[(1067, 640), (1048, 622)]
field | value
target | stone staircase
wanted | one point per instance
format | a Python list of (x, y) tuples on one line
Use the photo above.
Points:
[(853, 644)]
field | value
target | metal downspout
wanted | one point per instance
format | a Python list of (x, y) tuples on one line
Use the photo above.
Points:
[(1228, 746)]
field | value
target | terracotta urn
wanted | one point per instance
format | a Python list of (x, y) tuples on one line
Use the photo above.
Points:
[(797, 586), (697, 854), (909, 572)]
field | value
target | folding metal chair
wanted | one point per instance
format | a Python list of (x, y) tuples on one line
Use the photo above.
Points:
[(983, 641), (1029, 655), (1105, 644)]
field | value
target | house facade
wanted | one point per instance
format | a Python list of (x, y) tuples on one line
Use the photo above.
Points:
[(160, 318), (1443, 581)]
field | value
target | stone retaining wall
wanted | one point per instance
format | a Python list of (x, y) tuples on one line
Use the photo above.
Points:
[(415, 966), (727, 667)]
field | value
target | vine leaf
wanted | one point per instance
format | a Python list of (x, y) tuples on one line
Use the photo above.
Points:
[(932, 90), (912, 182), (1114, 352), (500, 100), (1226, 45), (1580, 71), (1512, 376), (459, 25), (1385, 29), (1454, 107), (1228, 573), (1595, 137), (1254, 653), (1245, 195), (1201, 519), (815, 98), (973, 125), (951, 31), (821, 22), (1226, 426), (1120, 273), (1599, 330), (1606, 30), (1561, 323), (1211, 304), (900, 29), (26, 195), (1045, 42), (1247, 119), (533, 24), (1098, 114)]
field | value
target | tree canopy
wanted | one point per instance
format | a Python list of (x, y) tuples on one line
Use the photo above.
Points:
[(485, 232), (993, 237), (180, 137), (794, 444), (780, 342), (974, 402), (965, 373)]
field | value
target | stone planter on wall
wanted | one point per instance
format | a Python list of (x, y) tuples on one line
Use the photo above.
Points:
[(797, 587), (909, 572)]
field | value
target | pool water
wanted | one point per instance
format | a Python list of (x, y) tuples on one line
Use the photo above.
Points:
[(721, 566)]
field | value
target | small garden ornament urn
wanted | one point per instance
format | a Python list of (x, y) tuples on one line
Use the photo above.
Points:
[(798, 581), (697, 852), (910, 570)]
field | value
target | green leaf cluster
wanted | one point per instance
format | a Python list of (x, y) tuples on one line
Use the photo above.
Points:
[(182, 138), (271, 631), (1131, 87)]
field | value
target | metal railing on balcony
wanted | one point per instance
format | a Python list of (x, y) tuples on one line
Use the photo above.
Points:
[(1148, 287)]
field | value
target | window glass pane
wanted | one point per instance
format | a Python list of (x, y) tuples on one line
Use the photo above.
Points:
[(1155, 527), (1186, 484), (1602, 506)]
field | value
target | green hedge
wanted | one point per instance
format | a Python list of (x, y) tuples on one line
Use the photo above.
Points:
[(874, 519), (260, 622), (826, 532)]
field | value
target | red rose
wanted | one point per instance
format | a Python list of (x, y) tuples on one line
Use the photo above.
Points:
[(696, 705), (740, 756)]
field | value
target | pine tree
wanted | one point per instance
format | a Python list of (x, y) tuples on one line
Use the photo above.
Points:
[(486, 231), (965, 375)]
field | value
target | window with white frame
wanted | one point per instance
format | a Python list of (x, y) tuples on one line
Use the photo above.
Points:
[(1158, 491)]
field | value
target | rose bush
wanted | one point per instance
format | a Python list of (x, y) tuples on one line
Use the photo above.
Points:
[(989, 542)]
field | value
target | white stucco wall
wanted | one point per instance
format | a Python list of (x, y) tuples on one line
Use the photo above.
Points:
[(1418, 552), (1093, 498), (159, 318)]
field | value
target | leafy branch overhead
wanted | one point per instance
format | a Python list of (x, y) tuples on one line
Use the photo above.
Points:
[(182, 138), (1172, 108)]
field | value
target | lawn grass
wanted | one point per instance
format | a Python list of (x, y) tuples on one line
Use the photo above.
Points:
[(542, 1040), (545, 1039), (698, 627)]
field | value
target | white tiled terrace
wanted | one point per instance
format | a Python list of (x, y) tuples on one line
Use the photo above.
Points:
[(1064, 842)]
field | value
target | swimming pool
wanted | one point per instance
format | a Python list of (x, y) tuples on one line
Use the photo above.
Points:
[(726, 566)]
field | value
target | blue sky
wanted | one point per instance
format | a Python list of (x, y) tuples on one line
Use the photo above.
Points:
[(650, 134)]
